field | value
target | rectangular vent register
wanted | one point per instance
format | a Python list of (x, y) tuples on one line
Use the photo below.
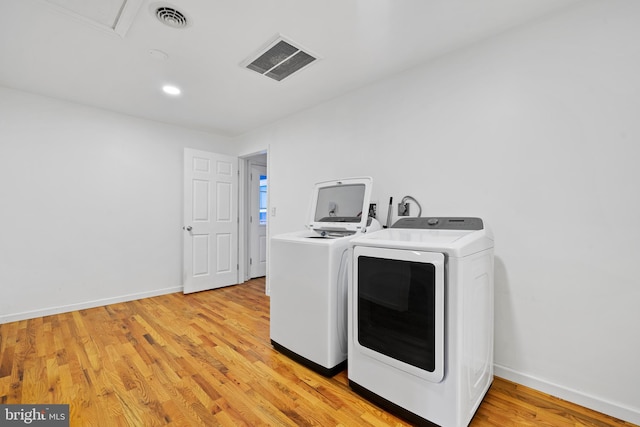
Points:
[(279, 60)]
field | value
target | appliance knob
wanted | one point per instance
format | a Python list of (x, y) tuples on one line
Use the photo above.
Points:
[(432, 221)]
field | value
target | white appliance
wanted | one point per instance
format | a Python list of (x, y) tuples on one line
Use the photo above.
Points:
[(421, 318), (308, 276)]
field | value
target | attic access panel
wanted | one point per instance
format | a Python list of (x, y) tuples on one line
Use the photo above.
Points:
[(114, 16), (280, 60)]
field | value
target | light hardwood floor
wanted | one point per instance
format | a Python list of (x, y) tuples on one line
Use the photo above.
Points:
[(206, 359)]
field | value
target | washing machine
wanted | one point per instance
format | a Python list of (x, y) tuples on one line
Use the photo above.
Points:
[(420, 322), (308, 276)]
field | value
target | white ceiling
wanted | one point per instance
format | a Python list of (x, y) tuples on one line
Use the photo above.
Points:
[(96, 52)]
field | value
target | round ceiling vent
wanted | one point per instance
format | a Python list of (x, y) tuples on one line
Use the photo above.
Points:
[(171, 17)]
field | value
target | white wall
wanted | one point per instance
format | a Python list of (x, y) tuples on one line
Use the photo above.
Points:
[(91, 205), (537, 131)]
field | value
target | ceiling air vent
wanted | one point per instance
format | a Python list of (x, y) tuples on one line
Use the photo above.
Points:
[(171, 17), (279, 60)]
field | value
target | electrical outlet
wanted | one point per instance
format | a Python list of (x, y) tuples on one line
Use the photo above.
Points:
[(403, 209)]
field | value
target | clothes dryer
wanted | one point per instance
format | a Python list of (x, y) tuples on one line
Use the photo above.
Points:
[(421, 318), (308, 276)]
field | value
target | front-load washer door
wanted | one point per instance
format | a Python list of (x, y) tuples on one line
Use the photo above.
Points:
[(398, 309)]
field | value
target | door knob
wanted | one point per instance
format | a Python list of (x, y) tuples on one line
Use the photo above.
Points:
[(188, 228)]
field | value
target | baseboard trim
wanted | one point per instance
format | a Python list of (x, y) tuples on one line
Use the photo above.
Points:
[(613, 409), (15, 317)]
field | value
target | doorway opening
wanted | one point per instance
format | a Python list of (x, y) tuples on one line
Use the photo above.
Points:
[(258, 221), (254, 216)]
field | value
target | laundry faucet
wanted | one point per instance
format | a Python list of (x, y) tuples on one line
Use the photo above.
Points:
[(403, 204)]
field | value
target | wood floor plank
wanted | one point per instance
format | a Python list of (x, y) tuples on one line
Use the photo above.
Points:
[(205, 359)]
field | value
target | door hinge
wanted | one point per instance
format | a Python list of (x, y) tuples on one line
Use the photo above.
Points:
[(250, 219), (250, 261)]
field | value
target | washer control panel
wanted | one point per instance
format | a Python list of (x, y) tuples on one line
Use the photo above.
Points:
[(441, 223)]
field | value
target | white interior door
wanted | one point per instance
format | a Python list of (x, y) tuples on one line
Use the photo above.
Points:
[(211, 220), (258, 222)]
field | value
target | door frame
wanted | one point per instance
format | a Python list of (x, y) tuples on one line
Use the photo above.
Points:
[(244, 186)]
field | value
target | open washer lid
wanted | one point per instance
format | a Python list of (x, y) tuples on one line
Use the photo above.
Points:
[(340, 206)]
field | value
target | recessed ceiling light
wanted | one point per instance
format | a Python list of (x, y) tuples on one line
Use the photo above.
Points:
[(171, 90)]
